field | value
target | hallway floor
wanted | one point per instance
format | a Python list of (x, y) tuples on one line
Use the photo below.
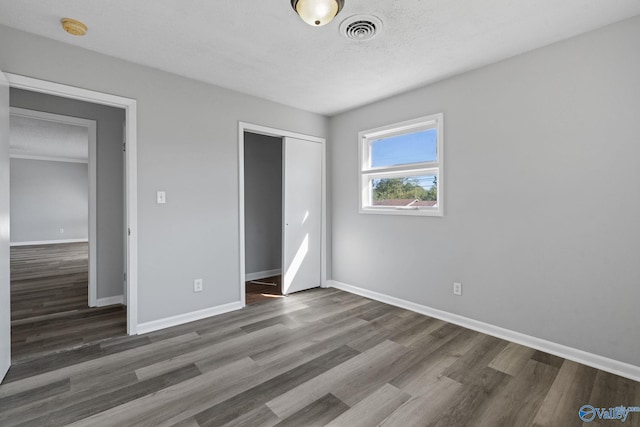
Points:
[(259, 290), (49, 295)]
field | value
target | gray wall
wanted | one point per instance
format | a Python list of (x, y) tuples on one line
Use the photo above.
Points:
[(110, 179), (542, 182), (188, 147), (47, 196), (262, 202)]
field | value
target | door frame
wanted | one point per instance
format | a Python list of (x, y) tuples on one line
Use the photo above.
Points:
[(91, 127), (131, 172), (278, 133)]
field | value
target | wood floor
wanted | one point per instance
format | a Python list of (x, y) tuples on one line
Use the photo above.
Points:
[(321, 357), (257, 290), (49, 310)]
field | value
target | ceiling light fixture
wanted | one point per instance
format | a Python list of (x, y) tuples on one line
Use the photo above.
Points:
[(73, 27), (317, 12)]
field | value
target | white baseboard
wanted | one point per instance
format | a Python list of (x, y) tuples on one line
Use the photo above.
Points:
[(261, 274), (48, 242), (596, 361), (180, 319), (101, 302)]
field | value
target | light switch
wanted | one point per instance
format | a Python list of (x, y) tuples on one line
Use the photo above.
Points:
[(161, 197)]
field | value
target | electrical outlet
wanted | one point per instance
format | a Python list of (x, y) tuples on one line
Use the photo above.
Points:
[(61, 230), (457, 288), (197, 285)]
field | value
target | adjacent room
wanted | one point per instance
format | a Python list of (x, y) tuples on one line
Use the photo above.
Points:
[(58, 281), (320, 212)]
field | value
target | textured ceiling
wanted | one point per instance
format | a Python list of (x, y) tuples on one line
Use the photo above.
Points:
[(261, 47), (42, 138)]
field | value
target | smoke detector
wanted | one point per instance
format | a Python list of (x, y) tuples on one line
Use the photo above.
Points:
[(73, 27), (360, 27)]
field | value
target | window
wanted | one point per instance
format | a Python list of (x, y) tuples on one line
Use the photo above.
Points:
[(401, 168)]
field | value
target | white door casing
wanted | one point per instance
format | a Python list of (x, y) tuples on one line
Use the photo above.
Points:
[(5, 290), (131, 174)]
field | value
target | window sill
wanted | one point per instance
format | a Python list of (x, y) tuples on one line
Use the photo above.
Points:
[(402, 211)]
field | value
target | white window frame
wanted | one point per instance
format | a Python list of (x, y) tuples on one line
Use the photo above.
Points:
[(366, 172)]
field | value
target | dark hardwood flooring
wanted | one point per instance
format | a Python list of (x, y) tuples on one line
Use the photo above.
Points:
[(320, 357), (256, 292), (49, 295)]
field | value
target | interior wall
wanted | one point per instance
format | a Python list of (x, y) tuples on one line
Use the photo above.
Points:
[(188, 147), (110, 179), (46, 197), (542, 180), (262, 202)]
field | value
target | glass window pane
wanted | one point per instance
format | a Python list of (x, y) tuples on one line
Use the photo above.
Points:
[(412, 191), (403, 149)]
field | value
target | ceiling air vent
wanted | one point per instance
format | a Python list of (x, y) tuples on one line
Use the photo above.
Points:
[(360, 27)]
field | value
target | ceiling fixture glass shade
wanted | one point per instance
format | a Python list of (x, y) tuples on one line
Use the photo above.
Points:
[(317, 12)]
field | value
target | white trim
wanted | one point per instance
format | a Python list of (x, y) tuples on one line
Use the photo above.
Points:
[(262, 274), (156, 325), (48, 158), (283, 208), (91, 161), (323, 219), (66, 91), (48, 242), (5, 282), (49, 117), (93, 214), (102, 302), (130, 107), (241, 219), (279, 133), (596, 361)]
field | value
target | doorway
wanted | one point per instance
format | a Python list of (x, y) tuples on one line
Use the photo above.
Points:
[(53, 165), (129, 152), (282, 212), (7, 81), (62, 293), (263, 216)]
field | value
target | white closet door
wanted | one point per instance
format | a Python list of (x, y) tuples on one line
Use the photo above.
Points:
[(302, 208)]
